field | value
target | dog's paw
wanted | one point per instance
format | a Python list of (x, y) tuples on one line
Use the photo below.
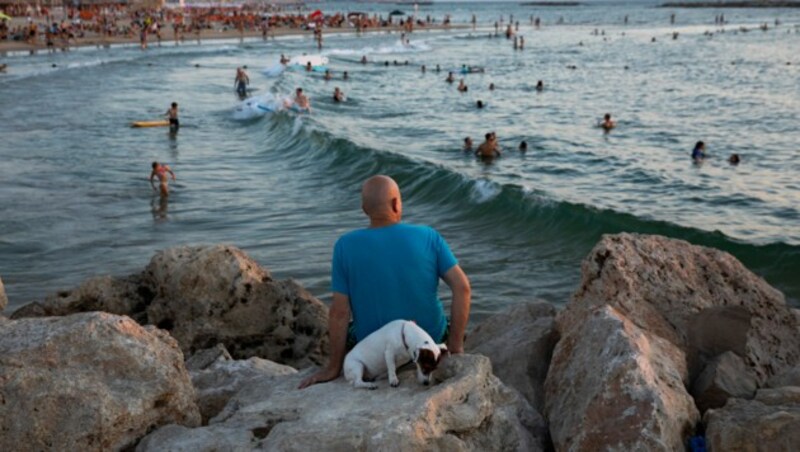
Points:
[(395, 382), (371, 386)]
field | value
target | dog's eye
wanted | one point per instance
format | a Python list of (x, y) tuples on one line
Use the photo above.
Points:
[(426, 342)]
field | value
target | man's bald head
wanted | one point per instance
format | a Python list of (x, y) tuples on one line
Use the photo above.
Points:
[(380, 199)]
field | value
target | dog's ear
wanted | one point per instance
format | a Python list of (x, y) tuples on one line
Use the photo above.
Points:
[(443, 349)]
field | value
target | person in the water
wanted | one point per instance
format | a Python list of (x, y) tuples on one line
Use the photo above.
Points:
[(301, 101), (734, 159), (488, 149), (467, 144), (479, 104), (491, 86), (309, 68), (699, 152), (345, 76), (607, 123), (523, 147), (338, 95), (241, 81), (161, 171), (540, 86), (364, 59), (462, 87), (172, 115), (328, 75), (450, 78)]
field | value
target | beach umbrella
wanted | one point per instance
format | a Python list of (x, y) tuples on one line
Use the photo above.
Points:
[(4, 16), (397, 12)]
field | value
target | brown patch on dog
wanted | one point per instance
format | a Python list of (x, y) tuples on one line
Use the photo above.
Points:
[(427, 361)]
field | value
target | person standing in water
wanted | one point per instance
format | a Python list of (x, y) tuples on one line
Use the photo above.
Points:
[(241, 81), (699, 152), (607, 123), (338, 95), (301, 100), (488, 149), (161, 171), (172, 115)]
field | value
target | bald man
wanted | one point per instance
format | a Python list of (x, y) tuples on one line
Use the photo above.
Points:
[(391, 271)]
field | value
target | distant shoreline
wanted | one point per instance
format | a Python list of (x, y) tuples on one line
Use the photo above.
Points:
[(734, 4), (551, 4)]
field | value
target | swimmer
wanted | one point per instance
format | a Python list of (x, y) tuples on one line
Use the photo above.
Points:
[(345, 76), (488, 149), (328, 75), (539, 86), (699, 152), (607, 123), (461, 86), (423, 68), (438, 69), (450, 78), (301, 100), (240, 82), (161, 171), (523, 147), (467, 144), (491, 86), (364, 59), (284, 60), (338, 95), (734, 159), (172, 114), (479, 104), (308, 67)]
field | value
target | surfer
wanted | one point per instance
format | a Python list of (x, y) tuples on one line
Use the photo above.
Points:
[(172, 114), (161, 171), (607, 123), (338, 95), (462, 87), (488, 149), (241, 81)]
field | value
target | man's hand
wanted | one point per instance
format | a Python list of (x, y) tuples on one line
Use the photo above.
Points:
[(322, 376)]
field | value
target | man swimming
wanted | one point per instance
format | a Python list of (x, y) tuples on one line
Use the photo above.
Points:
[(479, 104), (467, 144), (488, 150), (241, 81), (450, 78), (328, 75), (301, 100), (539, 86), (161, 171), (699, 152), (607, 123), (338, 95), (172, 114), (462, 87)]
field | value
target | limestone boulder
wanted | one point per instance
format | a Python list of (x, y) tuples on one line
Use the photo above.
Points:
[(519, 341), (89, 382), (217, 377), (121, 296), (218, 294), (468, 409), (724, 377), (614, 386), (665, 286), (789, 377), (3, 297), (770, 422)]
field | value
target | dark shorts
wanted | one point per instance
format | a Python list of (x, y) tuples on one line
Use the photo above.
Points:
[(173, 123), (351, 336)]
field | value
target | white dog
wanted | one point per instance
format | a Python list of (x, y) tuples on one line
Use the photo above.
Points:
[(395, 344)]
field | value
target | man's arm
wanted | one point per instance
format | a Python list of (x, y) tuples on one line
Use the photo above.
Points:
[(338, 321), (152, 175), (458, 282)]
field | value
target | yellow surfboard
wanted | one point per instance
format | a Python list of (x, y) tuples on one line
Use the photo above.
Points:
[(161, 123)]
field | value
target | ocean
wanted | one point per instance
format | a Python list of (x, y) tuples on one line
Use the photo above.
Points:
[(76, 202)]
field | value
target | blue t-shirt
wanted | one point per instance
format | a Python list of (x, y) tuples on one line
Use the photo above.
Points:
[(392, 273)]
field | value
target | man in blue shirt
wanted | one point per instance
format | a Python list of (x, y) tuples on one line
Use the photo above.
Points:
[(391, 271)]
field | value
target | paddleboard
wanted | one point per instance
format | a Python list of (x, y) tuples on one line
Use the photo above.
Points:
[(303, 60), (161, 123)]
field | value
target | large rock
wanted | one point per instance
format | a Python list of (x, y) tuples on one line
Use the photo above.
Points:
[(121, 296), (663, 285), (217, 377), (789, 377), (3, 297), (724, 377), (614, 386), (89, 382), (468, 410), (770, 422), (519, 341), (206, 296)]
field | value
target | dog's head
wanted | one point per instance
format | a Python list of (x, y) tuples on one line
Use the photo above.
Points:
[(427, 358)]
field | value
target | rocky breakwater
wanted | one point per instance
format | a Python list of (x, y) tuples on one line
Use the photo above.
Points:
[(659, 331), (204, 296), (88, 382)]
